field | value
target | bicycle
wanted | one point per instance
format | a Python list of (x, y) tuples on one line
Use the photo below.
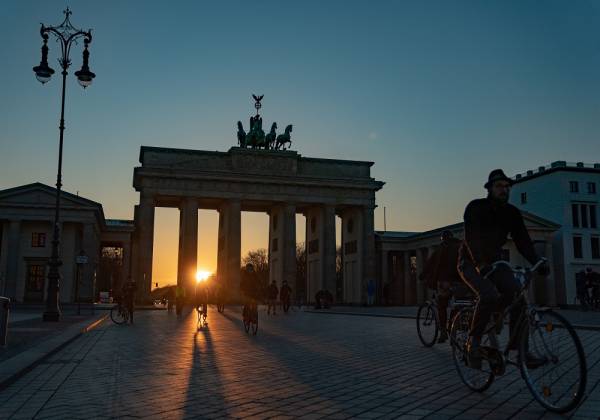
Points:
[(250, 318), (428, 321), (557, 382), (119, 314), (202, 314)]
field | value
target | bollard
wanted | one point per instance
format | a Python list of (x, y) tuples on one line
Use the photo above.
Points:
[(4, 308)]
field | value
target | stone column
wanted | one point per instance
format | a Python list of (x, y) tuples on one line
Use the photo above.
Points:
[(353, 255), (289, 243), (229, 246), (282, 249), (13, 258), (90, 244), (188, 244), (314, 250), (329, 251), (135, 253), (385, 256), (145, 244), (369, 267)]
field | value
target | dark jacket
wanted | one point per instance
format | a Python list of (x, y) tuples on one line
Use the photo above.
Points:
[(487, 225), (441, 265), (273, 291)]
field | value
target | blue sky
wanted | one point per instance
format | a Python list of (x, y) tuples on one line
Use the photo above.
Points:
[(435, 93)]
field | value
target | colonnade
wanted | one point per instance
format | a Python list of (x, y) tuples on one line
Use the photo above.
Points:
[(358, 257)]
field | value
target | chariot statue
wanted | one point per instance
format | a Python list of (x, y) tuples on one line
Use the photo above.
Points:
[(256, 138)]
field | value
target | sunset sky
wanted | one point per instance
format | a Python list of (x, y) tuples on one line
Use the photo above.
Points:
[(435, 93)]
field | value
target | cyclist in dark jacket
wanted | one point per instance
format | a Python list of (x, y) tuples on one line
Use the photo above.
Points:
[(488, 221)]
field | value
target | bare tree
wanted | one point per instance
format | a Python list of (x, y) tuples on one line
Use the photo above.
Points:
[(260, 261)]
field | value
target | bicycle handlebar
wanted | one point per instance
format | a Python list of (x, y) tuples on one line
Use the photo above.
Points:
[(524, 271)]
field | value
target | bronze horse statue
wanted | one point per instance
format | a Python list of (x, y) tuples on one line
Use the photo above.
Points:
[(284, 138), (241, 135), (271, 137)]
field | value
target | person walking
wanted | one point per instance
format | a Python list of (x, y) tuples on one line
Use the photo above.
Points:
[(272, 293), (370, 292)]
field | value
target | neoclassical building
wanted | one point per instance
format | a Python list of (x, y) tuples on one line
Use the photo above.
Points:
[(276, 182), (401, 256), (279, 183), (26, 224)]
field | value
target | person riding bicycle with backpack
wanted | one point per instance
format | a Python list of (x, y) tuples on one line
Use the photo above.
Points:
[(488, 221), (440, 274), (250, 286)]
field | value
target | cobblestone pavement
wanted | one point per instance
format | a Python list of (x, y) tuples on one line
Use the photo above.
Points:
[(301, 365)]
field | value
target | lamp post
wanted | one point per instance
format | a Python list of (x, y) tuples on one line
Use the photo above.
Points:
[(66, 35)]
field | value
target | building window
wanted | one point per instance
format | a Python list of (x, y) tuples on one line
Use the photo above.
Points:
[(595, 242), (575, 214), (574, 185), (593, 223), (523, 198), (313, 246), (350, 226), (591, 187), (350, 247), (34, 285), (38, 240), (584, 215), (577, 248)]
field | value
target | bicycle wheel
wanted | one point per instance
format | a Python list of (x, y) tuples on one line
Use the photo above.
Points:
[(559, 383), (117, 315), (476, 379), (427, 324)]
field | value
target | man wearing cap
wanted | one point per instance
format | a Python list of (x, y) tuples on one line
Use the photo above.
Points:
[(488, 221)]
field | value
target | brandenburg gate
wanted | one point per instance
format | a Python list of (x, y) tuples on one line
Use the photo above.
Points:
[(266, 179)]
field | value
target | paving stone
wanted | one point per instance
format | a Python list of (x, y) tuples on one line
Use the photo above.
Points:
[(303, 365)]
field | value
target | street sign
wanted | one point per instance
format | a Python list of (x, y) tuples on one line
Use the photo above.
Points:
[(81, 259)]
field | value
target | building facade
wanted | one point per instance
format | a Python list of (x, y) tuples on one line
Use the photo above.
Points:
[(566, 194), (401, 257), (26, 228)]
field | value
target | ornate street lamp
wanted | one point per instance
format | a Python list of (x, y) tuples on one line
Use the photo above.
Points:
[(66, 35)]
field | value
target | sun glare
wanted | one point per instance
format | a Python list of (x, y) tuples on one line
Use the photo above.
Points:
[(202, 275)]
